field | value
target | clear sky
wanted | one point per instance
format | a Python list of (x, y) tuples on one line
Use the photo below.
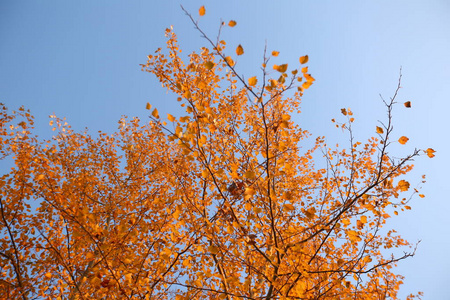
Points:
[(80, 60)]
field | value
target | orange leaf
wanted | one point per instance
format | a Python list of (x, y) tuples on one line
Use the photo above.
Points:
[(403, 185), (229, 60), (201, 11), (344, 111), (275, 53), (281, 68), (209, 65), (407, 104), (232, 23), (403, 140), (213, 249), (304, 59), (430, 152), (170, 117), (239, 50), (380, 130), (252, 81)]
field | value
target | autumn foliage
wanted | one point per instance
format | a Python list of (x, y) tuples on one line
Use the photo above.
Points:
[(219, 203)]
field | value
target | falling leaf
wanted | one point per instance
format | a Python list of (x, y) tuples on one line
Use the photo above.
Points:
[(232, 23), (407, 104), (252, 81), (403, 140), (209, 65), (430, 152), (403, 185), (201, 11), (380, 130), (239, 50), (304, 59), (275, 53)]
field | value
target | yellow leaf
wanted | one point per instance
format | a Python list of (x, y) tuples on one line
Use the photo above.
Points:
[(430, 152), (155, 113), (252, 81), (209, 65), (403, 185), (380, 130), (232, 23), (170, 117), (201, 11), (304, 59), (239, 50), (275, 53), (148, 106), (403, 140), (407, 104)]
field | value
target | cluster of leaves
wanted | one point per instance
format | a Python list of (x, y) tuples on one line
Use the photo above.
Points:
[(221, 203)]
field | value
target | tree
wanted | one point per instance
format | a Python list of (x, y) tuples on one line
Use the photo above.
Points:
[(221, 203)]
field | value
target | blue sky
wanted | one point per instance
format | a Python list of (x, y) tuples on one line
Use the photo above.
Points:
[(80, 60)]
